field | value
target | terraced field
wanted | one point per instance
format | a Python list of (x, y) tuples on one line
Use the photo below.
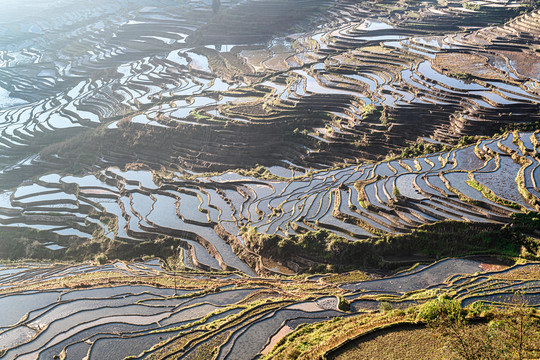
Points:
[(480, 184), (133, 311), (136, 312), (343, 90), (169, 172)]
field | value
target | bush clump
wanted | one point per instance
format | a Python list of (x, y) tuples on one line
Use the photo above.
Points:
[(440, 310), (343, 304), (101, 259)]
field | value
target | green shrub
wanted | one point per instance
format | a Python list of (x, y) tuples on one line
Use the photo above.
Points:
[(441, 310), (368, 109), (385, 306), (101, 259), (343, 304), (471, 6), (467, 140)]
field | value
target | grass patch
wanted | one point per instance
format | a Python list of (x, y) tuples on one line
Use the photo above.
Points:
[(353, 276), (406, 343)]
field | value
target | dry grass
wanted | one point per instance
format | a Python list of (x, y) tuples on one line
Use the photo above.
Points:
[(296, 288), (394, 344), (473, 64), (531, 272), (352, 276), (313, 341), (526, 62)]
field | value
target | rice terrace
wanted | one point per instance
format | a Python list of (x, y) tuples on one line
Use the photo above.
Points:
[(269, 179)]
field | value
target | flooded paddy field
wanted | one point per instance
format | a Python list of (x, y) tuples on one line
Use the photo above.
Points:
[(114, 313), (210, 216), (212, 286), (339, 88), (217, 179)]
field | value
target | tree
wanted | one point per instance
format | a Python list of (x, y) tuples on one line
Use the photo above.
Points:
[(446, 317), (512, 333), (515, 331)]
